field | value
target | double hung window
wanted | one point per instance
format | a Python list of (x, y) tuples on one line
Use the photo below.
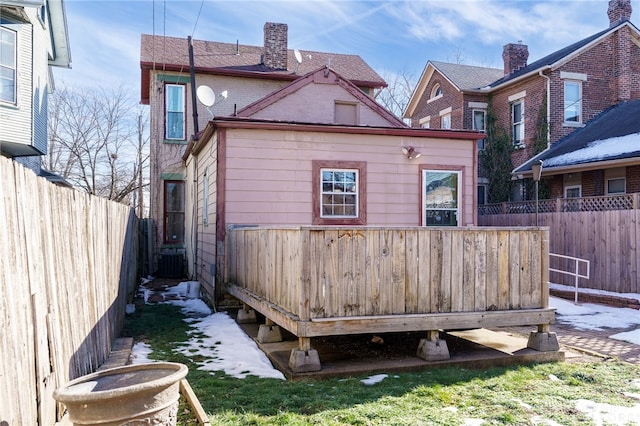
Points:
[(572, 102), (479, 120), (175, 112), (517, 122), (8, 65)]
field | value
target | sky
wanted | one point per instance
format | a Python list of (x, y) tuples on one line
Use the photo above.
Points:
[(220, 341), (393, 37)]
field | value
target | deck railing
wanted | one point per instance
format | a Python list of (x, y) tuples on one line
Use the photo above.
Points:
[(328, 272), (558, 205)]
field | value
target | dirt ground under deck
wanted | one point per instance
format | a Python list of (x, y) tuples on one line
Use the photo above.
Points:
[(363, 354)]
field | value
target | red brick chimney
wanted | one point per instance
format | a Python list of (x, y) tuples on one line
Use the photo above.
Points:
[(275, 46), (514, 56), (619, 10)]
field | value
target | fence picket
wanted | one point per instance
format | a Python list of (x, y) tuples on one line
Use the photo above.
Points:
[(64, 284)]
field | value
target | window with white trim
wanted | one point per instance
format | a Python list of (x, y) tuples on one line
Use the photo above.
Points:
[(572, 102), (436, 91), (445, 121), (339, 196), (517, 122), (425, 122), (573, 191), (441, 192), (175, 112), (616, 186), (8, 65), (479, 123), (339, 192)]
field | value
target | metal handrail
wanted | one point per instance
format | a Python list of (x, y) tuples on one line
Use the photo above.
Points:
[(576, 274)]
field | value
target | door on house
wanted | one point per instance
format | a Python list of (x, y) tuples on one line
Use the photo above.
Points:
[(440, 197)]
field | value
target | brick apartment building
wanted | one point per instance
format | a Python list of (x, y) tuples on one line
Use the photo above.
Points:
[(585, 84)]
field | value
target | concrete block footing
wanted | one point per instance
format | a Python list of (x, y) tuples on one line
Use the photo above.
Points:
[(543, 342), (304, 361), (269, 334), (246, 316), (433, 350)]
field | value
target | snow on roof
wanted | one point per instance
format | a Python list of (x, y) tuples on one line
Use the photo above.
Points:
[(600, 150)]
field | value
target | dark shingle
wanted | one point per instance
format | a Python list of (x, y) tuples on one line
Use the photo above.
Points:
[(596, 140), (231, 57)]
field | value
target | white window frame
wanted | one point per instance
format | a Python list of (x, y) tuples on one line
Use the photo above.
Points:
[(577, 102), (624, 186), (425, 122), (484, 125), (434, 93), (333, 193), (457, 209), (445, 121), (11, 68), (517, 126), (167, 111)]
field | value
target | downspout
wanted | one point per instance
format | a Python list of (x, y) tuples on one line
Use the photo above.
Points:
[(548, 106), (194, 225)]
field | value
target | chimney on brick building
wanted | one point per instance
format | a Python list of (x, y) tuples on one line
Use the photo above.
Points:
[(515, 56), (619, 10), (275, 46)]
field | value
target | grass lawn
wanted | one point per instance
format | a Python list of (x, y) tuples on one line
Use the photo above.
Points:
[(540, 394)]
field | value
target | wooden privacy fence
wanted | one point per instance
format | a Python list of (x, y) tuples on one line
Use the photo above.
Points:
[(68, 265), (609, 240), (314, 273)]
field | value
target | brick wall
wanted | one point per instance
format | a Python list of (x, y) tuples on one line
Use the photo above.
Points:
[(633, 179), (535, 88), (451, 97), (275, 45)]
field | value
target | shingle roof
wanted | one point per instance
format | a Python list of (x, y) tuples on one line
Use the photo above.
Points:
[(217, 57), (614, 134), (467, 77), (556, 56)]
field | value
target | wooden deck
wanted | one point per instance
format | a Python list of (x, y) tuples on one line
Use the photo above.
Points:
[(322, 281)]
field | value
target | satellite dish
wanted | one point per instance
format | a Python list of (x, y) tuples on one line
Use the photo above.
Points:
[(206, 96), (298, 56)]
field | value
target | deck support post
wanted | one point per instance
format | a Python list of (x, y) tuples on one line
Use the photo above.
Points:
[(543, 340), (269, 332), (433, 348), (304, 359), (246, 315)]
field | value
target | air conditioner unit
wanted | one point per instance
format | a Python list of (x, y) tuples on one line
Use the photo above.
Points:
[(171, 265)]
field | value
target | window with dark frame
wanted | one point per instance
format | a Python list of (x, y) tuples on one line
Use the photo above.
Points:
[(173, 212), (339, 190)]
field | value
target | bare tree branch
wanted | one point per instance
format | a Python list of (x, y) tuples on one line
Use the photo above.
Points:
[(94, 142)]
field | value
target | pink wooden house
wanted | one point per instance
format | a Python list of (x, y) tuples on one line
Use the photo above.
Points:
[(324, 212)]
